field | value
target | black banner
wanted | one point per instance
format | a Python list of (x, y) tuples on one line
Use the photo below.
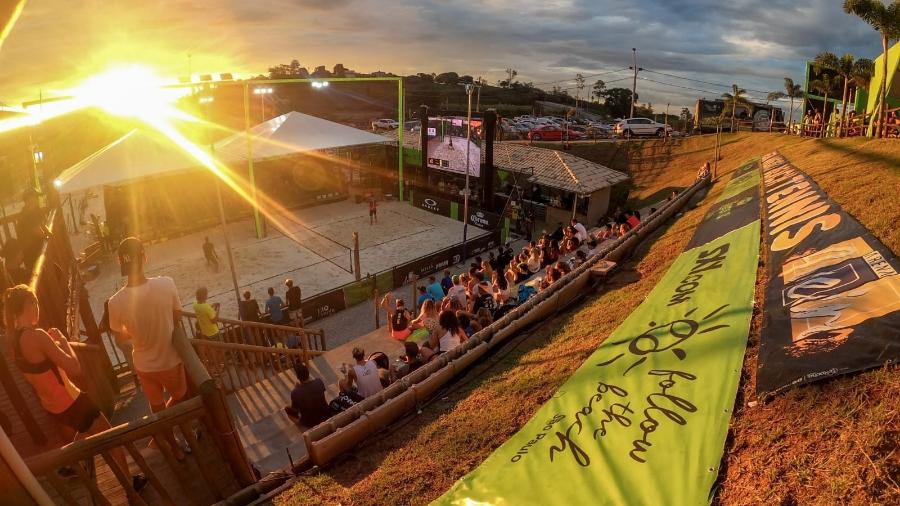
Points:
[(431, 203), (483, 219), (322, 305), (443, 259), (833, 299)]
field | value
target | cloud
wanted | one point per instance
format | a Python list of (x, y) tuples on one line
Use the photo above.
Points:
[(752, 42)]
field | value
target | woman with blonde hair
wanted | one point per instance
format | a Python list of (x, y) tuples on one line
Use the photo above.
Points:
[(428, 320), (46, 360)]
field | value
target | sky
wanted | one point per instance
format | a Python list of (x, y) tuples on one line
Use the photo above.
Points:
[(753, 43)]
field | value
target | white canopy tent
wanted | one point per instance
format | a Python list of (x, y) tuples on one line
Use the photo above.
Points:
[(142, 153), (291, 133), (138, 154)]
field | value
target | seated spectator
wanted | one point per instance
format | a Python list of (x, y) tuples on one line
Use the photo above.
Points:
[(580, 258), (308, 404), (673, 195), (486, 271), (427, 321), (551, 275), (522, 273), (446, 281), (580, 232), (593, 248), (398, 317), (273, 307), (534, 261), (453, 334), (563, 268), (434, 289), (484, 317), (633, 220), (483, 297), (413, 358), (361, 378), (652, 211), (704, 171), (623, 229), (207, 315)]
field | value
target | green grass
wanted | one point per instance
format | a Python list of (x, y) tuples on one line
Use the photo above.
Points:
[(833, 442)]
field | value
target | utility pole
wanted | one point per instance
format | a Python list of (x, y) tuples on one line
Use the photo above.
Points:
[(479, 84), (469, 89), (633, 82)]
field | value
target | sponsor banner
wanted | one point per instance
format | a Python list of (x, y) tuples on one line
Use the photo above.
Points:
[(833, 299), (431, 204), (322, 305), (421, 267), (644, 419), (483, 219)]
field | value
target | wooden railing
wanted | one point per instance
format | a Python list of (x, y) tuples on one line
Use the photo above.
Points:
[(258, 334), (217, 453), (235, 366)]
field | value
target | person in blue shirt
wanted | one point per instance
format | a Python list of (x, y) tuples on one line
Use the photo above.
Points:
[(273, 307), (447, 282), (435, 289), (423, 296)]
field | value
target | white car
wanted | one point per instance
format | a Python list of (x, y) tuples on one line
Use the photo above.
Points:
[(384, 124), (633, 127)]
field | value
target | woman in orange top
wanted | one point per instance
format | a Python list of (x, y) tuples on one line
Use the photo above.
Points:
[(46, 360)]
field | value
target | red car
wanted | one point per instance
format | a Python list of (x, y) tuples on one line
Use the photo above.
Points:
[(552, 133)]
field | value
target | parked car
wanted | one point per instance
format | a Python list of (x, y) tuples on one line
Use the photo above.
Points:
[(384, 124), (633, 127), (552, 133), (412, 126)]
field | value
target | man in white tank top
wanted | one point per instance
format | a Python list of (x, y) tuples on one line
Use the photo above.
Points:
[(364, 374)]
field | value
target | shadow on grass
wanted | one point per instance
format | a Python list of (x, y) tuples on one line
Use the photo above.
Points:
[(655, 198), (861, 152)]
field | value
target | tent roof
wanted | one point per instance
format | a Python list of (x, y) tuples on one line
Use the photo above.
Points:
[(291, 133), (139, 153), (549, 167)]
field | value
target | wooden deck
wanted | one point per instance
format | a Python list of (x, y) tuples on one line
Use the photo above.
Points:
[(258, 410)]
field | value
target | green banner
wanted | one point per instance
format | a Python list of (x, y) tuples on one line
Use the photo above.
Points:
[(644, 419)]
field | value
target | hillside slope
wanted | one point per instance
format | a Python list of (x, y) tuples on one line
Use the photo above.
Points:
[(834, 442)]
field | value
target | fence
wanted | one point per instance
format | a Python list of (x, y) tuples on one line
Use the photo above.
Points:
[(327, 303), (344, 431)]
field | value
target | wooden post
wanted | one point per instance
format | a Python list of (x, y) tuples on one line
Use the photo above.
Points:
[(377, 312), (356, 255), (226, 436)]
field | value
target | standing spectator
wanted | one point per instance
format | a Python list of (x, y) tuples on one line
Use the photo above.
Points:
[(434, 289), (249, 309), (446, 281), (209, 252), (633, 220), (293, 295), (308, 404), (458, 291), (423, 297), (207, 315), (398, 317), (580, 232), (46, 360), (363, 374), (145, 312), (373, 210), (273, 307)]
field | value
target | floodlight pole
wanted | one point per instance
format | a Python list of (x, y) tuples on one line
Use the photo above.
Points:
[(257, 219), (224, 223), (467, 191), (400, 128)]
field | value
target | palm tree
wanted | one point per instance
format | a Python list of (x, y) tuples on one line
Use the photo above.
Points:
[(772, 97), (733, 100), (885, 19), (823, 84), (792, 91), (843, 66)]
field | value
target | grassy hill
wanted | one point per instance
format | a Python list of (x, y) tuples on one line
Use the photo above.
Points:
[(834, 442)]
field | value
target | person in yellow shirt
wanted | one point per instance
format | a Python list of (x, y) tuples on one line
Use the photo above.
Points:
[(207, 315)]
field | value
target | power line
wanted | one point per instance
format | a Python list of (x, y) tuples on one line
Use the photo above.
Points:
[(584, 76), (700, 81)]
